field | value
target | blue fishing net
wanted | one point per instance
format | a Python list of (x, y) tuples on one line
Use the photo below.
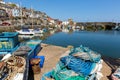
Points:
[(86, 54), (81, 67)]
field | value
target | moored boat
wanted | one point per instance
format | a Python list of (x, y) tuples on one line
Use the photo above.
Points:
[(37, 31), (25, 31), (116, 74), (15, 65)]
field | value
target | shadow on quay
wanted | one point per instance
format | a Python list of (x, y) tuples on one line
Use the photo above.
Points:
[(31, 75)]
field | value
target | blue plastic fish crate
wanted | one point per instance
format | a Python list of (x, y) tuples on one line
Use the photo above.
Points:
[(8, 41), (42, 59)]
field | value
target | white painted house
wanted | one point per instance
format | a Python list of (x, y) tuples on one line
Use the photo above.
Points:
[(15, 12), (65, 22), (2, 2)]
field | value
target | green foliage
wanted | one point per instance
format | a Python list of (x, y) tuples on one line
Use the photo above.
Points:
[(70, 31), (13, 5), (7, 29)]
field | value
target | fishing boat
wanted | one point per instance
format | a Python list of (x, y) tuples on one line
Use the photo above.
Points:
[(15, 65), (117, 27), (37, 31), (25, 31), (116, 74), (65, 30)]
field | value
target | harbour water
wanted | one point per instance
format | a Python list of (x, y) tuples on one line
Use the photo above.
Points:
[(105, 42)]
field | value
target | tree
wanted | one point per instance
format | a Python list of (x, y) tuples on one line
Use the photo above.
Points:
[(71, 22), (13, 5)]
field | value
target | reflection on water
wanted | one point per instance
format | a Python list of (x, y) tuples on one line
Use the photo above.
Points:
[(105, 42), (26, 36), (35, 36)]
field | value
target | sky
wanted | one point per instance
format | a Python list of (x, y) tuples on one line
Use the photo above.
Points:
[(78, 10)]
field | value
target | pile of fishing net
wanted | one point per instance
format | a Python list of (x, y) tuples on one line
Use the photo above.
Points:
[(116, 74), (22, 50), (11, 66), (81, 64)]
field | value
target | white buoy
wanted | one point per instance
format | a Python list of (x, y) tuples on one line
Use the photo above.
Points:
[(6, 56)]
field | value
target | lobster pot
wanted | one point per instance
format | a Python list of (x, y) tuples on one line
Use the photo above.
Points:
[(8, 41)]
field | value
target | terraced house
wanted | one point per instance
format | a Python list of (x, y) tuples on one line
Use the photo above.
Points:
[(3, 14)]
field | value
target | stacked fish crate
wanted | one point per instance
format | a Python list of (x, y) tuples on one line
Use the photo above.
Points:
[(8, 42)]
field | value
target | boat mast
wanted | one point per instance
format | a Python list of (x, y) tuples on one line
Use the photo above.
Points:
[(21, 13), (32, 16)]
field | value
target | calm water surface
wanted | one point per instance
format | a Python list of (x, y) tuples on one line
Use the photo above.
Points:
[(105, 42)]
